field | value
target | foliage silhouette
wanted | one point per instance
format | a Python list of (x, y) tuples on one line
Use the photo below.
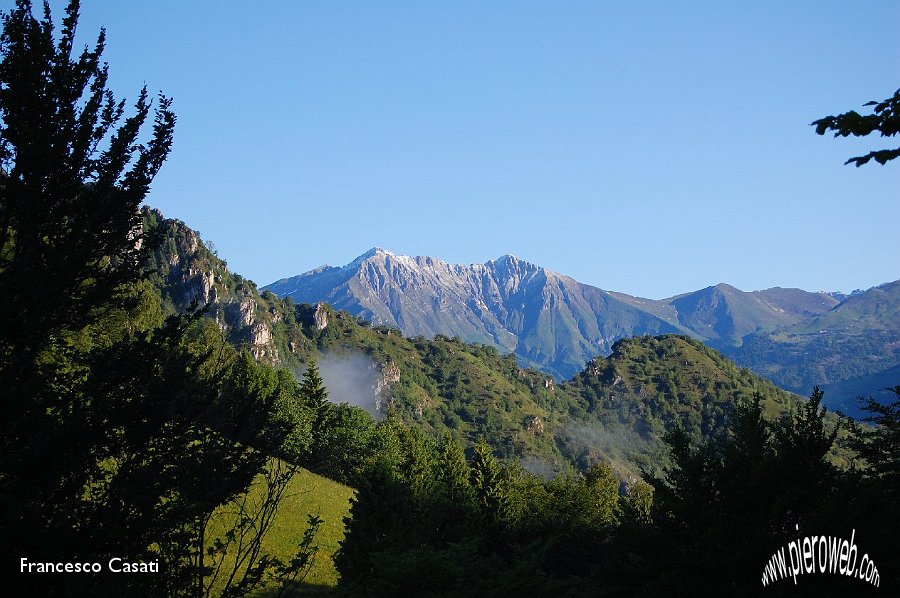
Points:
[(885, 119)]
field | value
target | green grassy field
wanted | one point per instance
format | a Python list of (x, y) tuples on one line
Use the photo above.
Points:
[(306, 494)]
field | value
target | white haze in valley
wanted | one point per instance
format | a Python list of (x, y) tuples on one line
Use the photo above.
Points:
[(539, 467), (352, 379)]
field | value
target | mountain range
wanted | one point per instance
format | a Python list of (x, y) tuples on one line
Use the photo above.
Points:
[(852, 349), (556, 324)]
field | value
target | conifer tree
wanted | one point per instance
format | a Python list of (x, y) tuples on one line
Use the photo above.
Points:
[(803, 439), (315, 395), (880, 444), (75, 171), (110, 444), (313, 389), (454, 470), (487, 480)]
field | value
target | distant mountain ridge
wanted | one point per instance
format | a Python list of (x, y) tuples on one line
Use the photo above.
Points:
[(852, 349), (549, 320), (722, 315)]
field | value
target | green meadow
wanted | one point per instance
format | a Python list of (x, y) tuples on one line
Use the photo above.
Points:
[(306, 494)]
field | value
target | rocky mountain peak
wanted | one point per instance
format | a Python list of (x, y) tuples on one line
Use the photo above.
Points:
[(373, 252), (724, 287), (507, 258), (550, 320)]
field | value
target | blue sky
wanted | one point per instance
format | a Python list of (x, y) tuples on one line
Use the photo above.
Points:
[(645, 147)]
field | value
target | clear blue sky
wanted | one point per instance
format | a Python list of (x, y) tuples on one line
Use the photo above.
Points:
[(645, 147)]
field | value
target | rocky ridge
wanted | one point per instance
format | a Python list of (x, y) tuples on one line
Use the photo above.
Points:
[(549, 320)]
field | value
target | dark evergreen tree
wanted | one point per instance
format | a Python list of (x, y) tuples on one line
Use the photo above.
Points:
[(315, 397), (802, 442), (73, 176), (120, 434), (874, 507), (488, 483), (456, 484), (880, 446), (315, 394), (803, 435)]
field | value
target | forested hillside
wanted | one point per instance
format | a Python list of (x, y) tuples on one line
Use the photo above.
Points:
[(852, 347), (618, 409)]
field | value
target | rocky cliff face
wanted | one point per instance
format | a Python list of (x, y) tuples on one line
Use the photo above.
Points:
[(389, 376), (187, 272), (320, 317)]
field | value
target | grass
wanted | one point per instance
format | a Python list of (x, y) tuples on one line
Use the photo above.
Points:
[(306, 494)]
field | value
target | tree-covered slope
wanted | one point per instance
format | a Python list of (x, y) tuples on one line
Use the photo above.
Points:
[(649, 385), (596, 435), (442, 382), (858, 338), (618, 408)]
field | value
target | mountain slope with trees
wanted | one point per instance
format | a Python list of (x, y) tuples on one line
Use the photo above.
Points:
[(857, 340), (617, 409)]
